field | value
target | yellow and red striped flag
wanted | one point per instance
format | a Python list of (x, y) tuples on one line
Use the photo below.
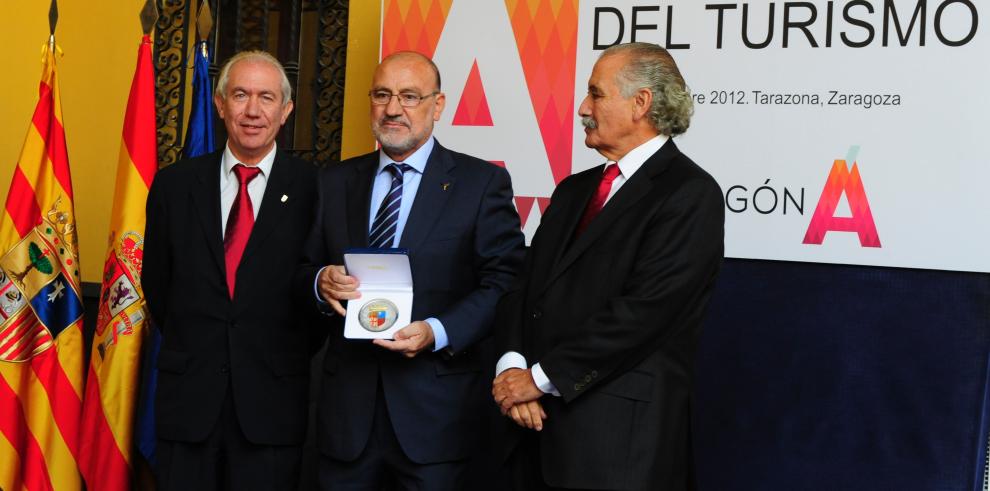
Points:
[(41, 340), (112, 384)]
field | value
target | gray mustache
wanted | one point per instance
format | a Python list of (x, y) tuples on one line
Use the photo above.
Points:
[(589, 123), (394, 119)]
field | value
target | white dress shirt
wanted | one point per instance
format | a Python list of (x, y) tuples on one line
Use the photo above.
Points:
[(628, 165), (229, 184)]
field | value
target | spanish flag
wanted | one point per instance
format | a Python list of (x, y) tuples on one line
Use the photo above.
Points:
[(41, 340), (112, 384)]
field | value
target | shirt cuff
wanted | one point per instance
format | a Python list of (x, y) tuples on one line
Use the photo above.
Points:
[(323, 305), (439, 334), (316, 286), (510, 359), (543, 382)]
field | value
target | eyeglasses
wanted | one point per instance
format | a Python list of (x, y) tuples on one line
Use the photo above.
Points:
[(406, 99)]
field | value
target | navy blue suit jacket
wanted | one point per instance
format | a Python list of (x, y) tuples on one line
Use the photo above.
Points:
[(465, 245)]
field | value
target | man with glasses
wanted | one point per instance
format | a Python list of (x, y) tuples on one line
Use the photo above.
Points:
[(408, 411)]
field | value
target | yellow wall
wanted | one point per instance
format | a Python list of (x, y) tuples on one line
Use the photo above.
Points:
[(363, 24), (99, 41)]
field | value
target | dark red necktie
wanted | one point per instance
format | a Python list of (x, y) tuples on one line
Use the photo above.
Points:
[(240, 221), (598, 200)]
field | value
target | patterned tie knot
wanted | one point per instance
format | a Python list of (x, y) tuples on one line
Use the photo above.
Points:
[(397, 169), (246, 174)]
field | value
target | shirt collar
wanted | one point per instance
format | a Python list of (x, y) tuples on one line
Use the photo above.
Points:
[(632, 161), (417, 160), (229, 161)]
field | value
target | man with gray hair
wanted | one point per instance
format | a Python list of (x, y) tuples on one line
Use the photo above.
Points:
[(224, 235), (598, 334)]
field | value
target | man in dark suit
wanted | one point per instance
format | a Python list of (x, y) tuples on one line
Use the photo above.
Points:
[(409, 410), (224, 237), (599, 334)]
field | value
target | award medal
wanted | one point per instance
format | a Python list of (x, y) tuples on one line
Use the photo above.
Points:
[(378, 315)]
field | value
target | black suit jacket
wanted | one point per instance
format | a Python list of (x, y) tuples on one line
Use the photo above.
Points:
[(465, 246), (613, 317), (259, 343)]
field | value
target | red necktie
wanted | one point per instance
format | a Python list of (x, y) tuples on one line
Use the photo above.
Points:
[(598, 200), (240, 221)]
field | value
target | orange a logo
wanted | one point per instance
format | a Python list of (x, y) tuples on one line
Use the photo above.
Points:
[(842, 180)]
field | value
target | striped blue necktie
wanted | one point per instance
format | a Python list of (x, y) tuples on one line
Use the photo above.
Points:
[(382, 232)]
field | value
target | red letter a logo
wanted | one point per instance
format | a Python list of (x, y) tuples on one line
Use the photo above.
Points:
[(823, 220)]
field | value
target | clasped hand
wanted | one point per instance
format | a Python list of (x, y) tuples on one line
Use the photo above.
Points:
[(517, 396)]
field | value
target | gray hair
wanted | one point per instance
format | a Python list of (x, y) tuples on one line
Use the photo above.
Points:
[(254, 56), (650, 66)]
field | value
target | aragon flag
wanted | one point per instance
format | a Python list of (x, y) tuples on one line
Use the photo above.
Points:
[(112, 383), (41, 314)]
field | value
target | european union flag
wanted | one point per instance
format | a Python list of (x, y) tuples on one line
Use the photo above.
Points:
[(199, 137), (144, 425)]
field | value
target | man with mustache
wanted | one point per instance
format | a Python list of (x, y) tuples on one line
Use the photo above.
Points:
[(599, 331), (224, 236), (409, 410)]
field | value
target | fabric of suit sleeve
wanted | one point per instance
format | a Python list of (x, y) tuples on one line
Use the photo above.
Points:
[(157, 264), (676, 262), (508, 316), (314, 254), (498, 250), (508, 322), (313, 313)]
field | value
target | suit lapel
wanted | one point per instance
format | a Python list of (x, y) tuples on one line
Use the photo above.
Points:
[(272, 206), (634, 190), (569, 207), (358, 200), (434, 189), (206, 199)]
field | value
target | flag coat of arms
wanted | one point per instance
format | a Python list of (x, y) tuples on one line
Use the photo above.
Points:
[(41, 341)]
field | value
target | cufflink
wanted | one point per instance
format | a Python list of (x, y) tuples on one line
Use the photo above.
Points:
[(285, 198)]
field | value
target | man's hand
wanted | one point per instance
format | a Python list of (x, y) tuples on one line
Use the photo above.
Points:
[(335, 286), (528, 415), (409, 340), (514, 386)]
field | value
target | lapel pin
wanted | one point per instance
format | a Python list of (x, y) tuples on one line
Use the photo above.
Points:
[(445, 185), (285, 198)]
